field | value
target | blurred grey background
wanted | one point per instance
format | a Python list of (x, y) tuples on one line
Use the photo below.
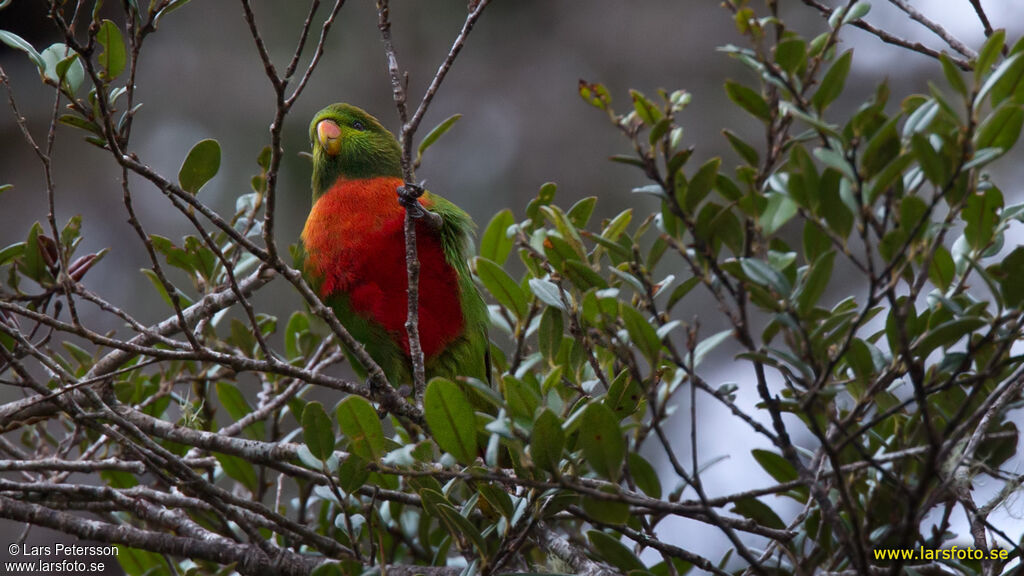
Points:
[(524, 124)]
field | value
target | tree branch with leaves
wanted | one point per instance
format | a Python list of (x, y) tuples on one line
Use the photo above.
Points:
[(878, 409)]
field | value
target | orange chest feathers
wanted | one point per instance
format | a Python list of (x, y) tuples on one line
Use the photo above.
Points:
[(355, 245)]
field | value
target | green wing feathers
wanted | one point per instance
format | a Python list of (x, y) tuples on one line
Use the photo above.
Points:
[(467, 356)]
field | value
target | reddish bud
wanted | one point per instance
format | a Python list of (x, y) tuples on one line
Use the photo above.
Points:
[(48, 250), (79, 267)]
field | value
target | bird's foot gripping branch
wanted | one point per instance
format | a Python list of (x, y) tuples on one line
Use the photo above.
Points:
[(409, 197)]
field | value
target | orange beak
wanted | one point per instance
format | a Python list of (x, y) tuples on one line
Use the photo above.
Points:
[(328, 133)]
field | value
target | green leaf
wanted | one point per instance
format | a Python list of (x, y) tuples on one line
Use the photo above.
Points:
[(353, 473), (550, 333), (155, 280), (659, 130), (83, 358), (113, 58), (583, 276), (680, 157), (624, 396), (298, 325), (565, 228), (18, 43), (643, 335), (947, 334), (239, 470), (882, 148), (836, 160), (581, 211), (560, 252), (922, 117), (31, 263), (933, 166), (952, 73), (645, 476), (1011, 278), (1001, 128), (708, 344), (889, 175), (746, 151), (547, 441), (983, 157), (504, 289), (614, 551), (79, 122), (458, 523), (758, 512), (451, 419), (779, 210), (171, 7), (1010, 83), (264, 158), (201, 164), (547, 291), (815, 241), (495, 244), (833, 81), (989, 53), (943, 270), (775, 465), (317, 431), (498, 498), (787, 108), (521, 398), (859, 10), (650, 190), (748, 99), (817, 280), (628, 160), (701, 183), (617, 225), (434, 134), (1006, 77), (762, 273), (601, 440), (12, 252), (360, 424), (237, 407), (860, 360), (681, 291), (63, 67), (790, 54), (645, 109), (981, 216), (241, 336), (595, 94)]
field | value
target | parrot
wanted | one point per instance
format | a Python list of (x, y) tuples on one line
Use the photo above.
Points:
[(352, 253)]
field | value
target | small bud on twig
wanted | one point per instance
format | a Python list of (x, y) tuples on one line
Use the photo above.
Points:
[(78, 268), (48, 250)]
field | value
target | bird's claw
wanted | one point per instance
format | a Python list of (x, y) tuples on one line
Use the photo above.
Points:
[(408, 197)]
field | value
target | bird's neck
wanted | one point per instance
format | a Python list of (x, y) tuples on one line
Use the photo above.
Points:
[(328, 174)]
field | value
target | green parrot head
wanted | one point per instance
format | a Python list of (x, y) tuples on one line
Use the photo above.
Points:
[(350, 144)]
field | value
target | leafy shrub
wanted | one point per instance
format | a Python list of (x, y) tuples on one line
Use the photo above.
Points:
[(905, 387)]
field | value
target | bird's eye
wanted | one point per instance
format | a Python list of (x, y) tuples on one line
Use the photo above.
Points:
[(358, 125)]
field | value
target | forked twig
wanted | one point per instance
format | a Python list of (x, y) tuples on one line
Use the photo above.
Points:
[(411, 190)]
